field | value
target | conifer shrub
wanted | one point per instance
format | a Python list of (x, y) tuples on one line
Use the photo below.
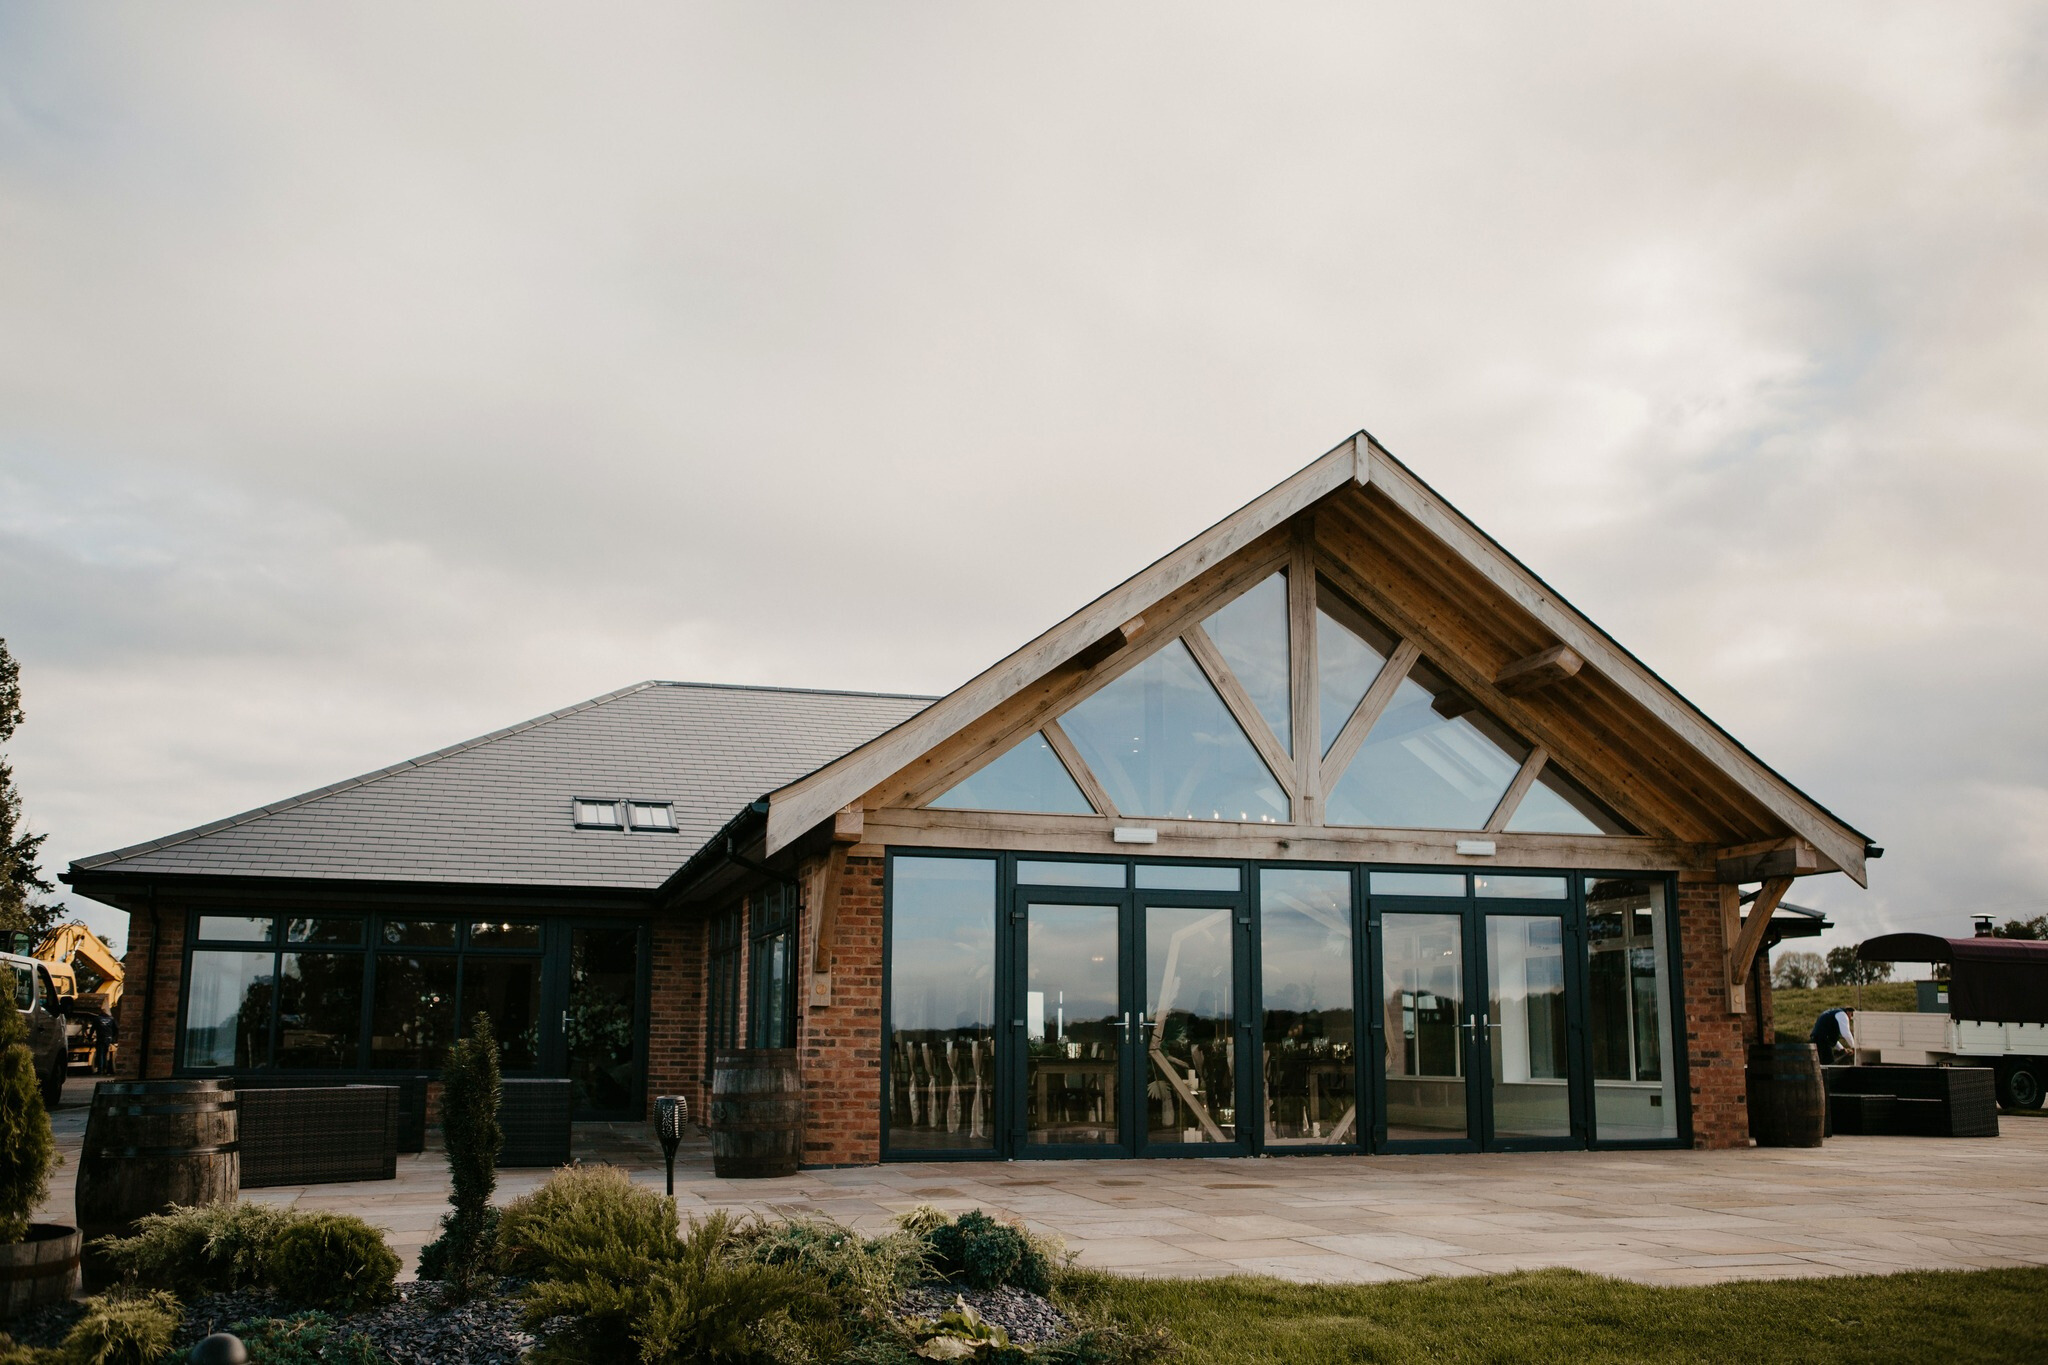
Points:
[(123, 1327), (609, 1264), (331, 1260), (470, 1092), (585, 1217), (27, 1151), (208, 1249), (981, 1253), (869, 1272)]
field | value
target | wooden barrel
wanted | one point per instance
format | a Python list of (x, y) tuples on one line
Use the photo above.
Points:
[(1787, 1102), (757, 1113), (149, 1145), (39, 1271)]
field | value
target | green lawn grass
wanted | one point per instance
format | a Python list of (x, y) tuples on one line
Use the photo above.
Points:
[(1564, 1316), (1793, 1012)]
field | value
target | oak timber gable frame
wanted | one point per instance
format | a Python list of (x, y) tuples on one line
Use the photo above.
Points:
[(1362, 521)]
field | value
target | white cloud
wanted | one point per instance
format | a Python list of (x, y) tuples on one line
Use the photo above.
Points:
[(370, 380)]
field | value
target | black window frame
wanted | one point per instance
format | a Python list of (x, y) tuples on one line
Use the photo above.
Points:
[(772, 919), (368, 948), (725, 936), (1366, 908)]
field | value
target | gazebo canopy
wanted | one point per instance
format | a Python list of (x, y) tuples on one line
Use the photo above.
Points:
[(2003, 980)]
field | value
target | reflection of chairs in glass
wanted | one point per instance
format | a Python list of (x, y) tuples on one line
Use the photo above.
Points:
[(943, 1086), (1192, 1078), (1303, 1085)]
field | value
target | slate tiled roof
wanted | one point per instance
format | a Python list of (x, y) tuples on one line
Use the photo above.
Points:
[(497, 809)]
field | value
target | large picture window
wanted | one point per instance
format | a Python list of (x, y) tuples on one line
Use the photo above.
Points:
[(1629, 1011), (941, 1044), (340, 993), (1310, 1020)]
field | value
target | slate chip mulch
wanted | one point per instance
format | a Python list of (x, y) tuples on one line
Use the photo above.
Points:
[(410, 1330), (1024, 1315)]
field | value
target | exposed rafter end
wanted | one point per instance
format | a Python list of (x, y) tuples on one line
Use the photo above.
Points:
[(1539, 670), (1109, 644), (1791, 856)]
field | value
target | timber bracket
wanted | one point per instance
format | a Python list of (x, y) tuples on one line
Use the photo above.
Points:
[(849, 826)]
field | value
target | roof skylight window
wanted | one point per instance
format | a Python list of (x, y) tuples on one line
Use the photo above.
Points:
[(597, 814), (651, 817)]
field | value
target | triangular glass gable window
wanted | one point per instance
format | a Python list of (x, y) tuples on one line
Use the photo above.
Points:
[(1351, 648), (1430, 762), (1251, 635), (1558, 805), (1165, 747), (1029, 778)]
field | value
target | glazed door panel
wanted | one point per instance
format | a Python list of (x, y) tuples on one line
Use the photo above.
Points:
[(1427, 1025), (1077, 1027), (1195, 1029)]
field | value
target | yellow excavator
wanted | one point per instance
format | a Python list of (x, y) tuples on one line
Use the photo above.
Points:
[(84, 968)]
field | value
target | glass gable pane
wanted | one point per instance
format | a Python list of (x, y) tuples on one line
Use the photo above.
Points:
[(1165, 747), (1558, 805), (1029, 778), (1351, 649), (1251, 635), (1422, 769)]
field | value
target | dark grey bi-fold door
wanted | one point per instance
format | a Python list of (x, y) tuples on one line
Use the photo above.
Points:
[(1478, 1017), (1130, 1034)]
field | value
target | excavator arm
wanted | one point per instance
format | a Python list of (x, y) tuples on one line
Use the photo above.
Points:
[(85, 968), (93, 968)]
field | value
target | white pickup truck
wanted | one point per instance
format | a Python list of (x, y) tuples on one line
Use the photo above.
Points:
[(1997, 1015)]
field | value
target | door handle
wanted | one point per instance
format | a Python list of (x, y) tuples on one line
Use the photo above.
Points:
[(1125, 1024)]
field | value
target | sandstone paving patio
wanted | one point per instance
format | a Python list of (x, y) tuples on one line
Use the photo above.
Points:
[(1856, 1206)]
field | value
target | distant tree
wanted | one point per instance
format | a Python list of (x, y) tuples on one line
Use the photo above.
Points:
[(1845, 970), (1798, 971), (22, 884), (2037, 927)]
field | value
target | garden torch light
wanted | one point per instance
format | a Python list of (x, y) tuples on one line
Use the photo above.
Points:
[(670, 1113)]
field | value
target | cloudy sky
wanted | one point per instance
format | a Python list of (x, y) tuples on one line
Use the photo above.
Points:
[(371, 377)]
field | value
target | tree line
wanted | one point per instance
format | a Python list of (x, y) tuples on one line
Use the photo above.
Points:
[(23, 887)]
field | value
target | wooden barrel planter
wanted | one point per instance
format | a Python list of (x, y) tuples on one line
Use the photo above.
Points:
[(757, 1114), (39, 1271), (149, 1145), (1787, 1102)]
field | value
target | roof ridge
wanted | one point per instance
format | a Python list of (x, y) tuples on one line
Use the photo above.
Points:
[(98, 860), (799, 691)]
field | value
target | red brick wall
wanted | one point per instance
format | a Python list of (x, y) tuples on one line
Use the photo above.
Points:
[(841, 1043), (677, 1012), (1715, 1038), (163, 1017)]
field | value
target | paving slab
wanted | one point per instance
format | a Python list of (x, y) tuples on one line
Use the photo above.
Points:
[(1854, 1206)]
